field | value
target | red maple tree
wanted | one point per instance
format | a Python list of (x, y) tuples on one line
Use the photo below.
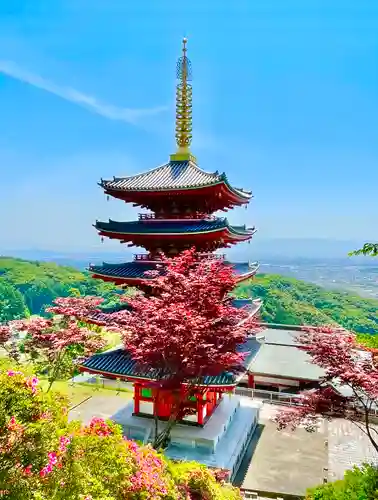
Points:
[(186, 328), (54, 341), (350, 385)]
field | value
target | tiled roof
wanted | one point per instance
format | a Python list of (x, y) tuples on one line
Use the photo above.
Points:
[(287, 361), (172, 226), (118, 362), (124, 270), (174, 175), (134, 270), (102, 315)]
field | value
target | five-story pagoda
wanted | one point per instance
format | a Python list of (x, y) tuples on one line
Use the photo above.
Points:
[(181, 199)]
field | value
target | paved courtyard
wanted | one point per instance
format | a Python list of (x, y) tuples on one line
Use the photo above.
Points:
[(285, 461), (291, 462), (99, 406), (347, 446)]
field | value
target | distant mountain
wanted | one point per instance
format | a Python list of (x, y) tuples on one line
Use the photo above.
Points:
[(288, 251)]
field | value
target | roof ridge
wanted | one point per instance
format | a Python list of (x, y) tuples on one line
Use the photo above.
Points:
[(141, 174)]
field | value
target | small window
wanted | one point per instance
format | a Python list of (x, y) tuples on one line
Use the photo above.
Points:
[(146, 393)]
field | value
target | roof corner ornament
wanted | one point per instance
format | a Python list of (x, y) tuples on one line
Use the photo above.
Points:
[(184, 124)]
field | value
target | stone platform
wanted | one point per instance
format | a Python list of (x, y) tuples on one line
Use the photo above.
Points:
[(221, 443)]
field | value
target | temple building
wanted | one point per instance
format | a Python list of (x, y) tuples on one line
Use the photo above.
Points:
[(181, 200)]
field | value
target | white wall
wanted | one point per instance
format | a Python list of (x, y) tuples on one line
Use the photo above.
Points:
[(275, 381)]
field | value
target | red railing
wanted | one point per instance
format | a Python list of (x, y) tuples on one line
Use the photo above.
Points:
[(144, 257), (212, 256)]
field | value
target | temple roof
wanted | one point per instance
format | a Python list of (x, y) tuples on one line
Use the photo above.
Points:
[(172, 227), (137, 269), (124, 270), (175, 175), (118, 362)]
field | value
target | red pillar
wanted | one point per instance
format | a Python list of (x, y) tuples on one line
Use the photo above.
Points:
[(251, 380), (137, 389), (200, 407)]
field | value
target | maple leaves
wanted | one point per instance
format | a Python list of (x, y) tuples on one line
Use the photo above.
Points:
[(187, 327), (350, 385), (51, 341)]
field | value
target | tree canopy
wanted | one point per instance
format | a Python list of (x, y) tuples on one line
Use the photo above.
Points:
[(27, 287)]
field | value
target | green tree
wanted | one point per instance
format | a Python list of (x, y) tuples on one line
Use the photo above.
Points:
[(12, 303), (358, 484), (369, 249)]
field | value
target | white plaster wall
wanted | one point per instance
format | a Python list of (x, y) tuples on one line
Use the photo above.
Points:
[(274, 381), (146, 407)]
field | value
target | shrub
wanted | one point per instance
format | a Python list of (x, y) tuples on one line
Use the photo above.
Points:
[(44, 457), (358, 484)]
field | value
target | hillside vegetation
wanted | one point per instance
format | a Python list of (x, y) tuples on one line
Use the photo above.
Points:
[(28, 287), (293, 302)]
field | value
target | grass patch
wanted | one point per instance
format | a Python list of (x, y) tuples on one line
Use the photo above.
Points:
[(97, 387), (78, 392), (112, 339)]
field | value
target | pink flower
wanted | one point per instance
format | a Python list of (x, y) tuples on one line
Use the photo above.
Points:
[(12, 373), (52, 458), (32, 383), (46, 470), (63, 443)]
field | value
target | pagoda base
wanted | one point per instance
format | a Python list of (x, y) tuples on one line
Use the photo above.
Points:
[(221, 443)]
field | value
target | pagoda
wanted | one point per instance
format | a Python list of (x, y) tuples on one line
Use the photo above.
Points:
[(181, 199)]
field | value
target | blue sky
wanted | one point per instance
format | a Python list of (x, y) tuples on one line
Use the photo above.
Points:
[(285, 101)]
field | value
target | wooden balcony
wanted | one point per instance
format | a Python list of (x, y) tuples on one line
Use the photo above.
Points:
[(196, 216)]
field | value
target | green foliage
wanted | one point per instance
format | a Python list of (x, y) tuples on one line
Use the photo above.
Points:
[(369, 249), (28, 287), (12, 303), (30, 422), (202, 482), (293, 302), (358, 484), (44, 457)]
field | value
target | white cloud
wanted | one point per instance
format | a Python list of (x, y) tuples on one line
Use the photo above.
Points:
[(128, 115)]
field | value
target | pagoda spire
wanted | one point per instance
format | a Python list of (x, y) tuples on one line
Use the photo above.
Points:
[(184, 123)]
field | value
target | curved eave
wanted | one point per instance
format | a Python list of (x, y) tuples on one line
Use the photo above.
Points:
[(235, 232), (117, 280), (127, 237), (129, 378), (233, 195), (252, 272)]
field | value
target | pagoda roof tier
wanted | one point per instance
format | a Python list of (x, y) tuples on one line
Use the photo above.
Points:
[(152, 233), (119, 363), (102, 317), (134, 273), (182, 178)]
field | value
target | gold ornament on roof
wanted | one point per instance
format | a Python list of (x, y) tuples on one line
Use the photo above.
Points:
[(184, 123)]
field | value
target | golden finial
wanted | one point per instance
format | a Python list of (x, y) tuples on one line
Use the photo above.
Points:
[(183, 107)]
